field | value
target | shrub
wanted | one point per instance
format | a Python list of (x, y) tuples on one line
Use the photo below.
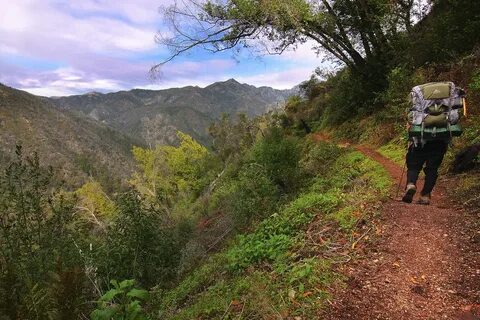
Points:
[(279, 155), (141, 244), (320, 157), (254, 195), (38, 245)]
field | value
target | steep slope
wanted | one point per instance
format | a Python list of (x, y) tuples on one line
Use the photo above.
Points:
[(70, 141), (155, 116)]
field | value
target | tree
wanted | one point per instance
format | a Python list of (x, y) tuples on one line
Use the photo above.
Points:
[(356, 33), (96, 204), (168, 173), (231, 138)]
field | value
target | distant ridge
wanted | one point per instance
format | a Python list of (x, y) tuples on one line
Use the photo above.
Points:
[(155, 116)]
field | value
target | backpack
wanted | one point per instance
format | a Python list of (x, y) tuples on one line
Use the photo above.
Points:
[(434, 114)]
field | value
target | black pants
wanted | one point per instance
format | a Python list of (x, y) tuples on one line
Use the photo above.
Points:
[(431, 155)]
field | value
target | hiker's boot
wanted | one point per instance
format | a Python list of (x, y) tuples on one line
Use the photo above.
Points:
[(409, 193), (425, 199)]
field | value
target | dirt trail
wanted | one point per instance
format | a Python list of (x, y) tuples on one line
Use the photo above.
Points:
[(424, 265)]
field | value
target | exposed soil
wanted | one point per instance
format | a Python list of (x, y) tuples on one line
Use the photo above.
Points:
[(424, 263)]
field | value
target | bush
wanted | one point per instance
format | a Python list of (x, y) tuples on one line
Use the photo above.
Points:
[(277, 234), (279, 155), (141, 245), (39, 256), (320, 157), (254, 195)]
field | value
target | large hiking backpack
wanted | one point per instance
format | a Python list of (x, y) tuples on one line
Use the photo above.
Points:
[(434, 114)]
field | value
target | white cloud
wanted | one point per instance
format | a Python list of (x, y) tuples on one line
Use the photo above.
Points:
[(303, 53), (280, 80), (68, 81), (44, 25), (14, 17), (139, 11), (7, 49), (29, 82), (49, 91)]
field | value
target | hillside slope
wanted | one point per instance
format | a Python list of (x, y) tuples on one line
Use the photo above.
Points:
[(155, 116), (63, 139)]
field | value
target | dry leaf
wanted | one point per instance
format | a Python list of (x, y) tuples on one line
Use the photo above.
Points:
[(235, 302), (291, 294)]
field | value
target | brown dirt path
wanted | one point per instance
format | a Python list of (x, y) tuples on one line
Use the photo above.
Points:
[(425, 264)]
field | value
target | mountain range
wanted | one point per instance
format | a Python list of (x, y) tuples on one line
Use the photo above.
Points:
[(155, 116), (93, 134)]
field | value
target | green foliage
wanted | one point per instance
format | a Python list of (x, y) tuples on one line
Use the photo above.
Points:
[(168, 173), (253, 194), (232, 138), (101, 173), (345, 217), (38, 241), (472, 130), (475, 84), (309, 271), (95, 203), (311, 88), (122, 302), (347, 99), (277, 234), (455, 20), (400, 82), (141, 244), (195, 282), (320, 157), (395, 151), (272, 265), (279, 155)]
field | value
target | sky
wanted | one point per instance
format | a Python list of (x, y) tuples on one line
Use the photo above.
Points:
[(58, 48)]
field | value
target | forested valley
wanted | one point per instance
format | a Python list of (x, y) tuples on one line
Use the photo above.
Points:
[(257, 220)]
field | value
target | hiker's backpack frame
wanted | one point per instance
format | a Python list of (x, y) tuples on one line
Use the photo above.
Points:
[(434, 114)]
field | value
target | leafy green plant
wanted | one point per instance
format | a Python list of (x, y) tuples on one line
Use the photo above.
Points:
[(279, 155), (277, 234), (37, 239), (254, 195), (141, 244), (475, 84), (122, 302)]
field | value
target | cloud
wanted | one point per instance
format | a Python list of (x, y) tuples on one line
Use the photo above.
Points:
[(57, 47), (280, 79), (41, 27), (49, 91), (304, 53), (139, 11)]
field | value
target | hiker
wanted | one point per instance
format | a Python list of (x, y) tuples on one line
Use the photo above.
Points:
[(433, 121)]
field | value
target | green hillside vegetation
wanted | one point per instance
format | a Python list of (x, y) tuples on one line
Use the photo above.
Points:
[(155, 238), (78, 147), (258, 226)]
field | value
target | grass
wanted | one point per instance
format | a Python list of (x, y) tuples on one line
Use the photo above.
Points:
[(394, 150), (275, 271)]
